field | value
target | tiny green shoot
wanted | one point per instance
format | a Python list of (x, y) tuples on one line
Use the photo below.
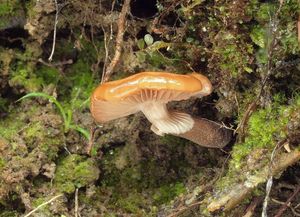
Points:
[(65, 113)]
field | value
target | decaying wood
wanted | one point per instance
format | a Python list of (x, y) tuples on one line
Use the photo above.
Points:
[(238, 191), (251, 208)]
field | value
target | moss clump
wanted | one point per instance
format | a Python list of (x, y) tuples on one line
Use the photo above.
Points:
[(265, 128), (22, 75), (49, 75), (3, 104), (2, 163), (44, 209), (132, 203), (10, 127), (9, 9), (167, 192), (233, 53), (75, 171), (9, 214), (265, 10), (261, 34)]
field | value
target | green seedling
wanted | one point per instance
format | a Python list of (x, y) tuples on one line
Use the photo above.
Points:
[(65, 113)]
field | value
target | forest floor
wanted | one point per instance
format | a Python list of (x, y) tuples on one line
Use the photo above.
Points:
[(54, 53)]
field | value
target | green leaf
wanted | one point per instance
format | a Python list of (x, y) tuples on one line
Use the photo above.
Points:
[(148, 39), (141, 44), (141, 56), (52, 100), (248, 69), (157, 45), (258, 36), (81, 130)]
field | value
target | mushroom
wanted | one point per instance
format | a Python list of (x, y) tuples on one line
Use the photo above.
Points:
[(150, 92)]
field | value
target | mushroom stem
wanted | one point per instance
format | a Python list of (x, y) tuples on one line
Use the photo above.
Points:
[(164, 121), (207, 133)]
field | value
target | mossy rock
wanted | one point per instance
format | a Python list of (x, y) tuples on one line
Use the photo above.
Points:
[(75, 171)]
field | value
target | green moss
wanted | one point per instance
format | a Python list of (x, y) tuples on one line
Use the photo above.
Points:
[(265, 11), (289, 39), (8, 7), (75, 171), (35, 130), (10, 127), (2, 163), (45, 209), (22, 76), (167, 192), (81, 80), (48, 74), (265, 128), (233, 56), (9, 214), (35, 134), (3, 104), (258, 36), (132, 203), (287, 31)]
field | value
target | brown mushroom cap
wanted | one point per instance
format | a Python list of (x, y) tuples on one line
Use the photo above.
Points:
[(149, 92)]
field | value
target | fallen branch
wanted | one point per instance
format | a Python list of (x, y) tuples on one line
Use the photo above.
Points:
[(119, 41), (238, 191)]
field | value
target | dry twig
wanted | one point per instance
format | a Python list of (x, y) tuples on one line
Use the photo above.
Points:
[(91, 140), (119, 41), (43, 204), (270, 179), (298, 25), (54, 31), (76, 203)]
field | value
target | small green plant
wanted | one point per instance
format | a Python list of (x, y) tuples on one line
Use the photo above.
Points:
[(66, 113)]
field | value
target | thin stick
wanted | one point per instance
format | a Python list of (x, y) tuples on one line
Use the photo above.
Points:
[(43, 204), (106, 53), (54, 32), (107, 40), (76, 202), (119, 41), (298, 25), (269, 183)]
